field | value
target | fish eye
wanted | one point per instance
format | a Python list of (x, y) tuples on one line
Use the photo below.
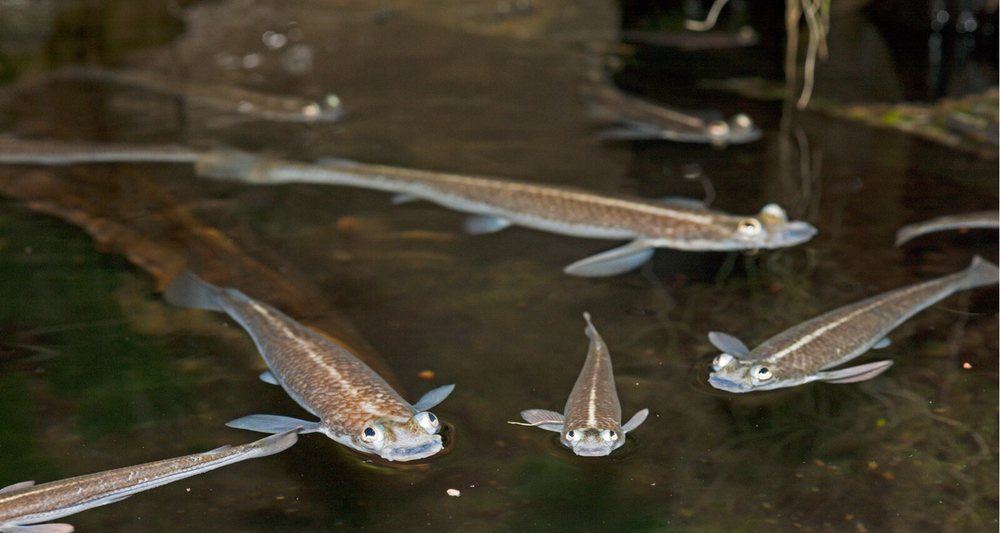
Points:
[(743, 121), (761, 373), (372, 434), (721, 361), (718, 128), (332, 101), (775, 211), (428, 421), (749, 227), (311, 110), (609, 435), (573, 436)]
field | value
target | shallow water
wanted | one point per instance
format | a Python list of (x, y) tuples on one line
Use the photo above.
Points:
[(96, 372)]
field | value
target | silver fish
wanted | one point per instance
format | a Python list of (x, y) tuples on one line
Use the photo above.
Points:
[(253, 104), (356, 407), (979, 219), (25, 503), (677, 223), (592, 421), (806, 352)]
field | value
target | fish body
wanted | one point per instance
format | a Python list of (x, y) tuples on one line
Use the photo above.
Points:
[(25, 503), (806, 352), (591, 423), (673, 223), (254, 104), (978, 219), (639, 119), (55, 153), (356, 407)]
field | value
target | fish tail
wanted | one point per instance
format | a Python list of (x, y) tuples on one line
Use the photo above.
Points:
[(979, 274), (188, 290)]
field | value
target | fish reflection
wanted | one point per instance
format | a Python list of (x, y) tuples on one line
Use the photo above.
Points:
[(25, 503), (979, 219), (591, 424), (806, 352), (356, 407)]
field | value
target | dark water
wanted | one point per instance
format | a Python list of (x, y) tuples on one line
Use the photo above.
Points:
[(96, 372)]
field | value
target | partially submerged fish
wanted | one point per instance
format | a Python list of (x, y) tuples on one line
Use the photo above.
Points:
[(979, 219), (355, 406), (806, 352), (25, 503), (638, 119), (591, 423), (254, 104), (676, 223)]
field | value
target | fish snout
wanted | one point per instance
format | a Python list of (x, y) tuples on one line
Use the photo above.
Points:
[(430, 447), (727, 385), (793, 233)]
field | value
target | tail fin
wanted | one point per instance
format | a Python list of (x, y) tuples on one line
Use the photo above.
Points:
[(188, 290), (979, 274)]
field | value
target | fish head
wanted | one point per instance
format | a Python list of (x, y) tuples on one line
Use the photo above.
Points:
[(400, 439), (593, 442), (731, 374), (770, 228)]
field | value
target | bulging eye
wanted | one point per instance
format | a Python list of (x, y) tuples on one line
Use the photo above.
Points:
[(761, 373), (428, 421), (718, 128), (573, 435), (609, 435), (721, 361), (775, 211), (311, 110), (332, 101), (749, 227), (743, 121), (373, 434)]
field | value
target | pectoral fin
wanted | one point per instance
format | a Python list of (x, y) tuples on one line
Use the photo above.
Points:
[(433, 397), (547, 420), (273, 424), (636, 419), (482, 224), (884, 343), (854, 373), (728, 344), (612, 262), (267, 377), (17, 486), (40, 528)]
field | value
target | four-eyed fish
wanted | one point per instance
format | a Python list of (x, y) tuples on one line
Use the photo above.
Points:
[(680, 224), (591, 423), (356, 407), (808, 351), (25, 503), (978, 219)]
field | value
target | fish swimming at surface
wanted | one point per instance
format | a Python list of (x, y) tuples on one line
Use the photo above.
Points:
[(355, 406), (25, 503), (978, 219), (808, 351), (677, 223), (245, 102), (591, 423)]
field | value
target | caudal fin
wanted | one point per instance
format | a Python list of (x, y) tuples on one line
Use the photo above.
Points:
[(188, 290), (979, 274)]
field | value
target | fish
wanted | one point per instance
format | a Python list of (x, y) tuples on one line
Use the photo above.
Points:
[(978, 219), (355, 406), (808, 351), (246, 102), (24, 505), (694, 41), (14, 151), (591, 423), (634, 118), (677, 223)]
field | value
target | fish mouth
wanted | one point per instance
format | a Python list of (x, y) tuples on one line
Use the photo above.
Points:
[(727, 385), (412, 453), (592, 451)]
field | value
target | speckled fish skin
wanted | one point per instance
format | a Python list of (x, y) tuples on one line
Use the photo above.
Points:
[(591, 423), (322, 376), (978, 219), (254, 104), (26, 503), (801, 354), (676, 224)]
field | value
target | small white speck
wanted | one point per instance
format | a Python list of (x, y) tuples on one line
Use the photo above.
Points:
[(188, 489), (454, 492)]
